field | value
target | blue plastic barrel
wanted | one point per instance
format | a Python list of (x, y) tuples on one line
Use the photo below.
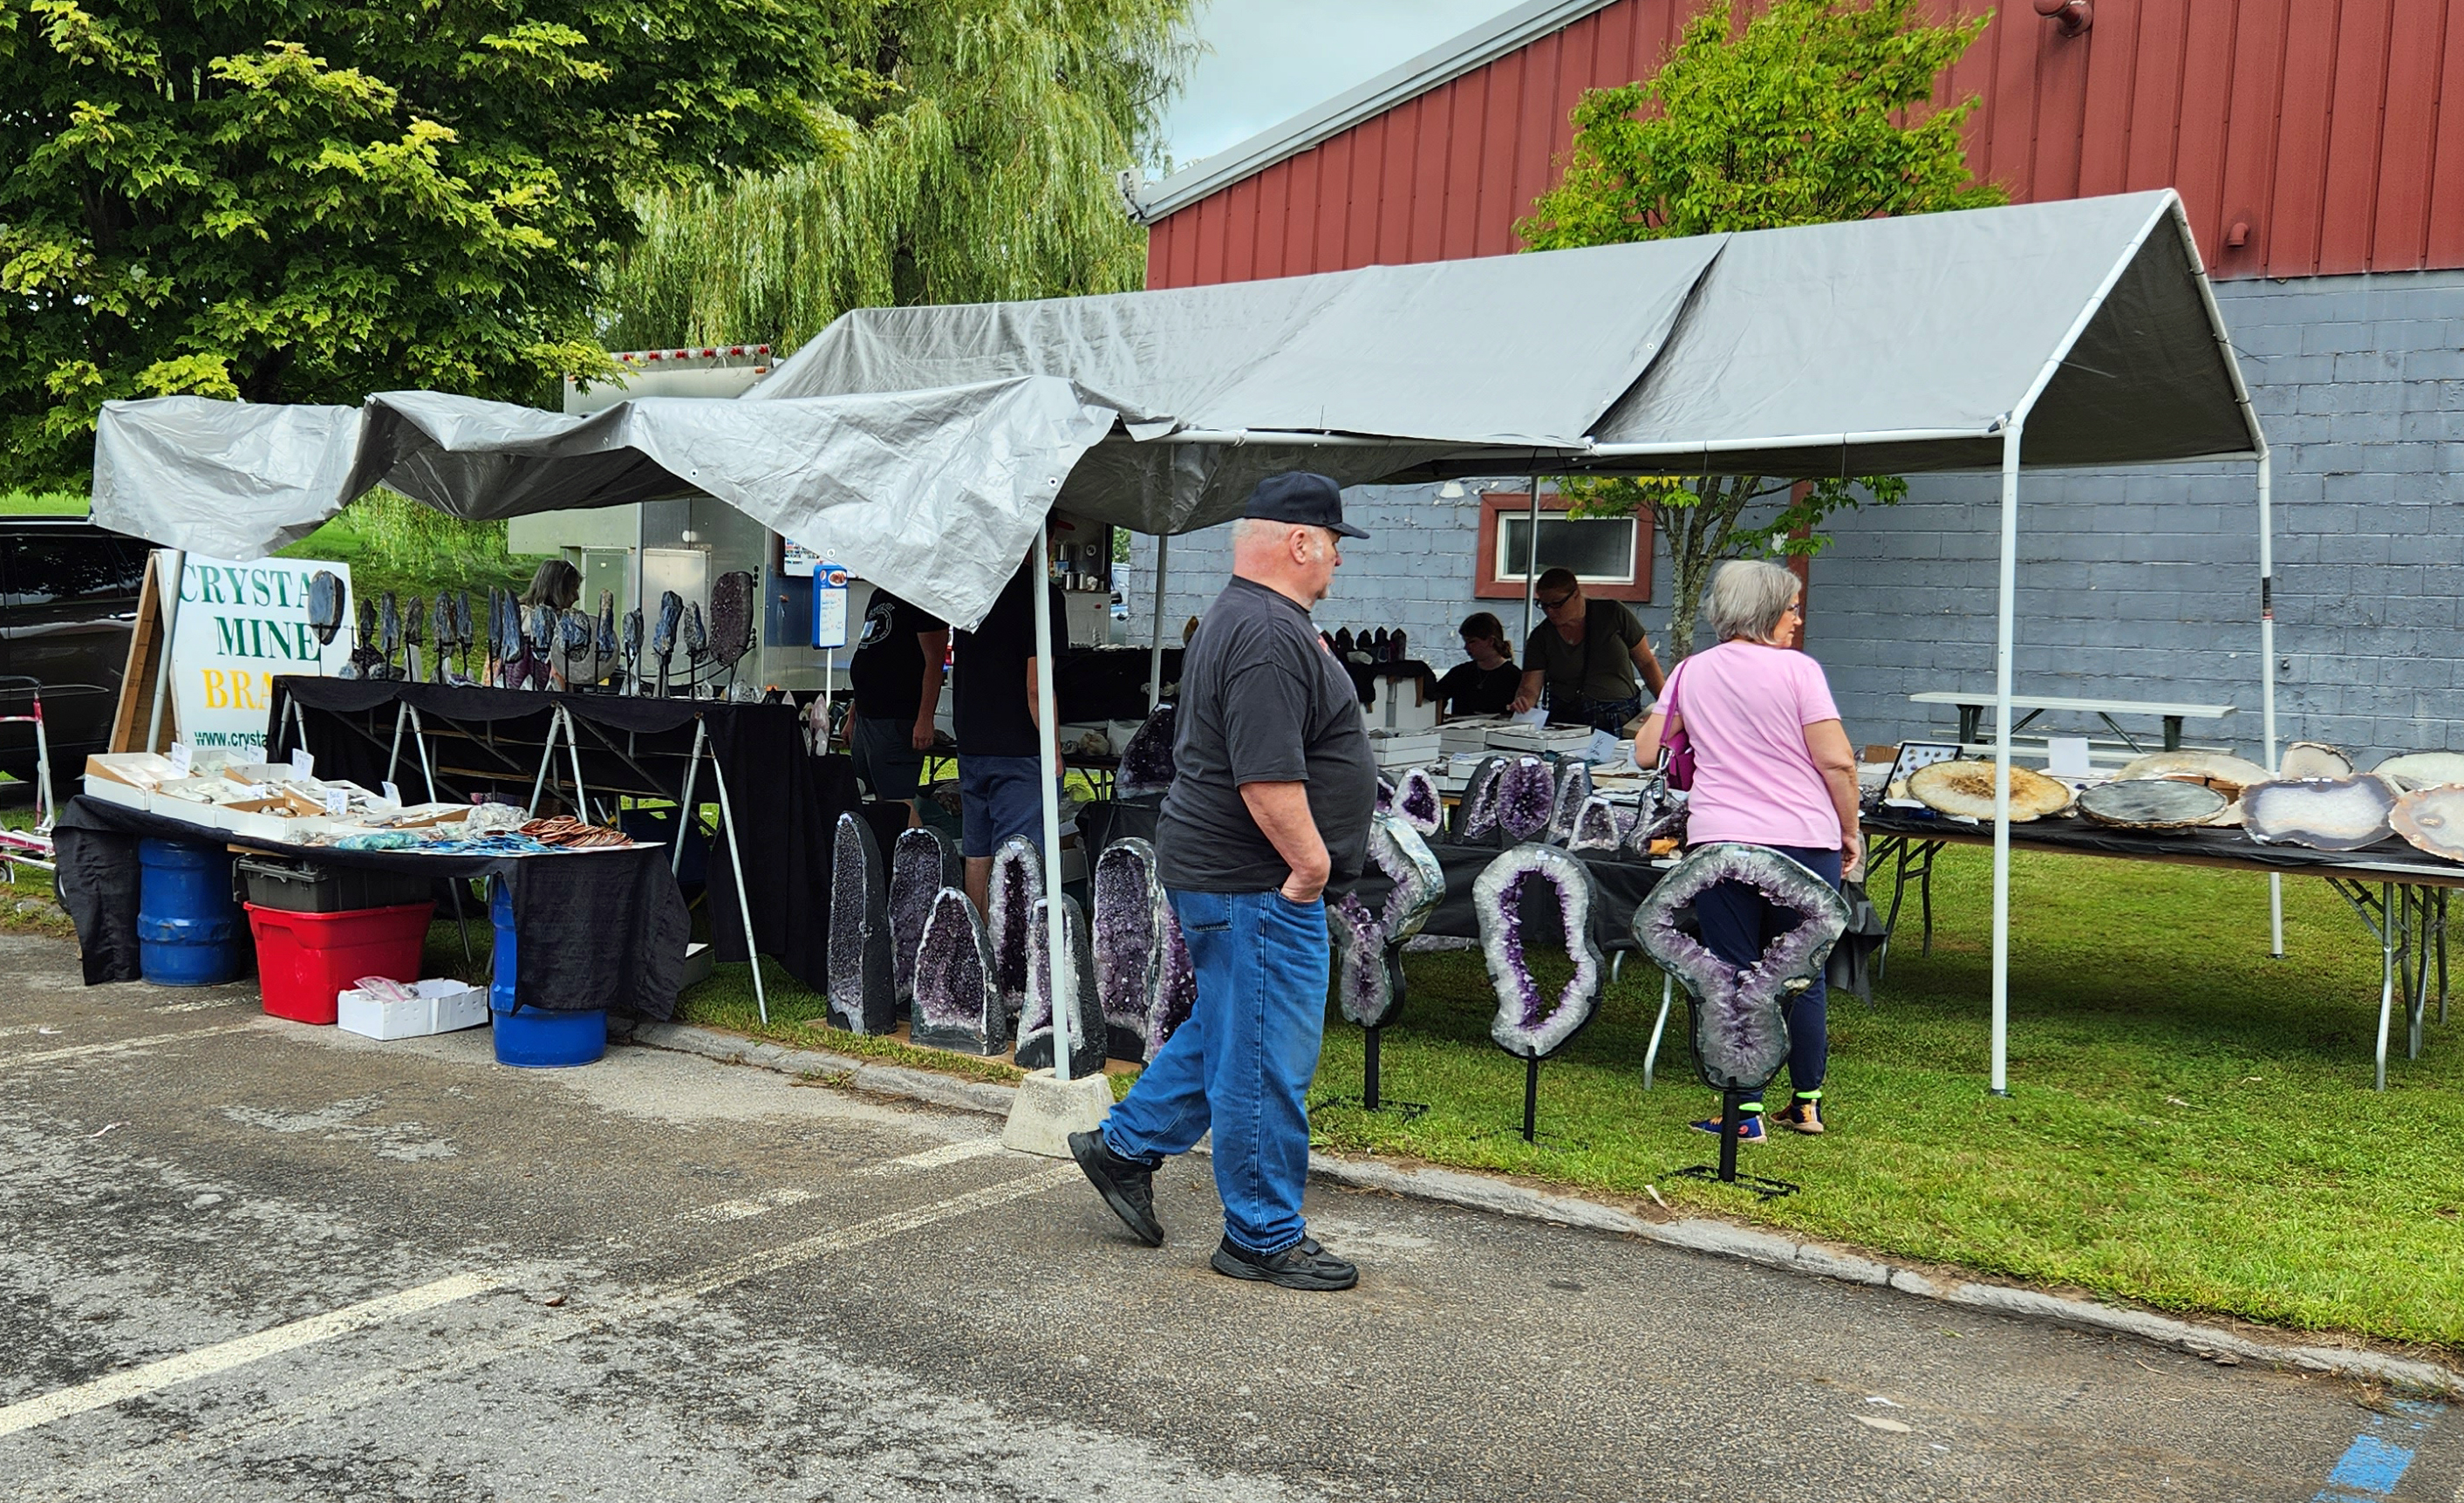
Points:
[(189, 930), (532, 1037)]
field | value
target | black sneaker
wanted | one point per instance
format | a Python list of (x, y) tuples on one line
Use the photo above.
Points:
[(1303, 1264), (1127, 1185)]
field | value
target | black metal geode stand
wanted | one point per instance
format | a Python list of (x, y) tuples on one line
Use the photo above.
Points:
[(1531, 1096), (1732, 1105)]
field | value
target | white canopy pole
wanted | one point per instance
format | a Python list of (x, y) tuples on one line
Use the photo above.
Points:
[(2267, 679), (1532, 568), (1154, 654), (1048, 728), (2002, 644)]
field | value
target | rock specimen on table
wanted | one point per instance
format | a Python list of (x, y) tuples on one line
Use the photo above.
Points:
[(1385, 796), (1176, 991), (2433, 820), (956, 1007), (2332, 814), (1130, 915), (1145, 761), (1739, 1012), (441, 627), (388, 633), (2225, 774), (1010, 896), (603, 640), (326, 596), (465, 633), (1531, 1024), (2311, 761), (2422, 769), (1085, 1013), (1599, 828), (1965, 789), (1368, 971), (1574, 786), (2151, 803), (730, 617), (922, 861), (631, 645), (1526, 793), (1476, 812), (864, 996), (1417, 802)]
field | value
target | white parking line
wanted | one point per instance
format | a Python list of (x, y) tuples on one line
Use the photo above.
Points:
[(751, 1206), (224, 1356), (937, 1158), (736, 1271), (117, 1046)]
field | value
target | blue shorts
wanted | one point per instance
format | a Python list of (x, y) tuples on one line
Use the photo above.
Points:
[(999, 797)]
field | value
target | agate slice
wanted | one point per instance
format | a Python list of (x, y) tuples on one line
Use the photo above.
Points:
[(1085, 1013), (1966, 788), (2308, 760), (922, 861), (2433, 820), (1529, 1023), (2227, 775), (1015, 886), (1145, 761), (1739, 1012), (955, 1006), (1129, 945), (863, 995), (1574, 786), (2151, 803), (2422, 769), (1526, 794), (1418, 803), (2333, 815)]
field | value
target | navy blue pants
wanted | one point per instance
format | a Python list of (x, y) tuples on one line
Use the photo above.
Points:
[(1738, 922)]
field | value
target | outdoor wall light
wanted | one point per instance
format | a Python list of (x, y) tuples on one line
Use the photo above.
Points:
[(2073, 17)]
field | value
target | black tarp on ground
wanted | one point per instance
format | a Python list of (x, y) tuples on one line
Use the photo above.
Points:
[(786, 801), (591, 928)]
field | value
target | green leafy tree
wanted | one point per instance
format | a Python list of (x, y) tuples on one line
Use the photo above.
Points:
[(308, 200), (986, 169), (1816, 111)]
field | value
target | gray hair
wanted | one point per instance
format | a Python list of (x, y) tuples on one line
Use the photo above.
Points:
[(1746, 598)]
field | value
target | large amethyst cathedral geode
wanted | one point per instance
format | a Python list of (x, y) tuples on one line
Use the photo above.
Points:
[(1529, 1023), (1129, 943), (1012, 891), (1145, 761), (1085, 1013), (956, 1007), (863, 995), (1526, 794), (1417, 801), (1739, 1012), (922, 862)]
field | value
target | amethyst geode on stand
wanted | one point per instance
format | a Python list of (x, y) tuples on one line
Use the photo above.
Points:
[(1599, 828), (1574, 786), (1130, 944), (1739, 1012), (1476, 812), (1086, 1014), (1145, 761), (922, 862), (863, 995), (1417, 801), (1531, 1024), (1527, 795), (956, 1007), (1368, 943), (1011, 894)]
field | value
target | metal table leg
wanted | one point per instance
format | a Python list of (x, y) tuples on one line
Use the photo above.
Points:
[(1651, 1051), (2379, 914)]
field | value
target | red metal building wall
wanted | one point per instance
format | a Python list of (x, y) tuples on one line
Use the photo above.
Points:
[(2333, 130)]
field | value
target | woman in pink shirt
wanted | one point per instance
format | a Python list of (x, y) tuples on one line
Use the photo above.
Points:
[(1772, 767)]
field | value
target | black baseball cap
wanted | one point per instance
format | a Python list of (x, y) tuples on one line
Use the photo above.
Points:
[(1300, 495)]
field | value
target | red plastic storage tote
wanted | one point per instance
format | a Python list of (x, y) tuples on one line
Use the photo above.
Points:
[(305, 961)]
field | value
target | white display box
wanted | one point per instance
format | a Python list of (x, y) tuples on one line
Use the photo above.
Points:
[(439, 1007), (111, 790), (1572, 740)]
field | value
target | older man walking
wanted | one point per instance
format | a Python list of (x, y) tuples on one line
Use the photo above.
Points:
[(1271, 800)]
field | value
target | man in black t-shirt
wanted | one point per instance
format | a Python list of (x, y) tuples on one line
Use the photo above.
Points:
[(1001, 754), (1486, 684), (896, 674), (1271, 796)]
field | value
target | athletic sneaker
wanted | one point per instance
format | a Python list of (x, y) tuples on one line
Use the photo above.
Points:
[(1748, 1131), (1303, 1264), (1804, 1114), (1127, 1185)]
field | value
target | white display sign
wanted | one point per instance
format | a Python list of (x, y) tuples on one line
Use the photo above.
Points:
[(241, 625), (830, 605)]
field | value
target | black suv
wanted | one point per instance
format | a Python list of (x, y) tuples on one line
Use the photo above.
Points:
[(68, 601)]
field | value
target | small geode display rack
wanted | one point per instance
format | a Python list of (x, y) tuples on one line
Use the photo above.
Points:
[(1740, 1013)]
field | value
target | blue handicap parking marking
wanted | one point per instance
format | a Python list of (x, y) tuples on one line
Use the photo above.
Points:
[(2375, 1464)]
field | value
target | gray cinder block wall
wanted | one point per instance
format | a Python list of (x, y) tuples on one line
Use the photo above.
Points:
[(2138, 585)]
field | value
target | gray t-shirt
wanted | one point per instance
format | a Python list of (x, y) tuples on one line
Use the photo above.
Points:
[(1262, 700)]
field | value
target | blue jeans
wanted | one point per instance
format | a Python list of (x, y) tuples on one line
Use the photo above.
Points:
[(1243, 1061), (1737, 922)]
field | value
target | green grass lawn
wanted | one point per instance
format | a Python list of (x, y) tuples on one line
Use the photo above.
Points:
[(2191, 1123), (42, 504)]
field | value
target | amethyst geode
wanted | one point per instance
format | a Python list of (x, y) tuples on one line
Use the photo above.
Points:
[(1574, 786), (1599, 828), (1015, 884), (1368, 943), (922, 862), (1531, 1024), (1130, 918), (1145, 761), (1177, 997), (863, 995), (1085, 1013), (1476, 812), (956, 1007), (1740, 1014), (1417, 801), (1385, 803), (1526, 793)]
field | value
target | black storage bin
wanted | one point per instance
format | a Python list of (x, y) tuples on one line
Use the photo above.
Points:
[(303, 887)]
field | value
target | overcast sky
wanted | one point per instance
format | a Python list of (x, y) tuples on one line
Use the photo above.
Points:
[(1274, 58)]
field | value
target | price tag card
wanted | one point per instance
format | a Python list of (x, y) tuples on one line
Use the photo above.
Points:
[(338, 802), (182, 756), (303, 765)]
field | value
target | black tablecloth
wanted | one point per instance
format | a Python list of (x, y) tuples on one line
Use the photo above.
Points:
[(591, 928), (786, 801)]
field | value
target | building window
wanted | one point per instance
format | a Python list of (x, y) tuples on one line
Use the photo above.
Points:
[(1611, 555)]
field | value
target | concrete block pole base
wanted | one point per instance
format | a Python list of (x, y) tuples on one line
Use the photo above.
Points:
[(1047, 1111)]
